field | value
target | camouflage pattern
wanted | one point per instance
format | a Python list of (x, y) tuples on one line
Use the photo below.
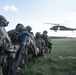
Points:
[(28, 28), (6, 46), (49, 45), (3, 21), (32, 40), (21, 57), (13, 34), (45, 37), (45, 32), (32, 46), (19, 27), (3, 39), (39, 43)]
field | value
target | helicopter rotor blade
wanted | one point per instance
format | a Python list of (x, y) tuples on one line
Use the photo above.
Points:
[(52, 24)]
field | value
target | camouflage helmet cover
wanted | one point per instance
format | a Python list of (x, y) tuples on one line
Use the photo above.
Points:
[(29, 28), (45, 32), (3, 21), (19, 27), (38, 34)]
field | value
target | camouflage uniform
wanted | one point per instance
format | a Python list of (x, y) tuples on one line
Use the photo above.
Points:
[(23, 41), (39, 43), (6, 46), (13, 34), (32, 45), (46, 39), (3, 36), (49, 45)]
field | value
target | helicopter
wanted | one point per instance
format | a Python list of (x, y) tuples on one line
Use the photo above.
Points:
[(60, 27)]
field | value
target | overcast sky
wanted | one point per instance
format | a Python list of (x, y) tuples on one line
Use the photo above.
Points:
[(36, 12)]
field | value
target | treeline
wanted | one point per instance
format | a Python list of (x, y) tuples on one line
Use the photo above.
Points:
[(57, 37)]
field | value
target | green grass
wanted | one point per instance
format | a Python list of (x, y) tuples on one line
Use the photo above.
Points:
[(52, 64)]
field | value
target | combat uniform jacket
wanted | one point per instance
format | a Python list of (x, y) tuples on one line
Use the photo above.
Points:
[(40, 43)]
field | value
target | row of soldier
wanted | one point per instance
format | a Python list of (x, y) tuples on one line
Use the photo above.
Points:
[(17, 44)]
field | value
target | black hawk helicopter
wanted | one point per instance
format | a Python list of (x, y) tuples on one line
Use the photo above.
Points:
[(60, 27)]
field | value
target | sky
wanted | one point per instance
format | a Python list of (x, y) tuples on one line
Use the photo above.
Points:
[(36, 12)]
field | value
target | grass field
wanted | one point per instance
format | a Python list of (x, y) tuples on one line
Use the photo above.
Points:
[(61, 61)]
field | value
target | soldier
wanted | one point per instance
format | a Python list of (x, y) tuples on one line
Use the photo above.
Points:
[(39, 43), (46, 39), (5, 44), (23, 41), (32, 45), (3, 36)]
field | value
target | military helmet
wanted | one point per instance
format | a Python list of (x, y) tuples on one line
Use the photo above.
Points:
[(28, 28), (45, 32), (38, 34), (3, 21), (19, 27)]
